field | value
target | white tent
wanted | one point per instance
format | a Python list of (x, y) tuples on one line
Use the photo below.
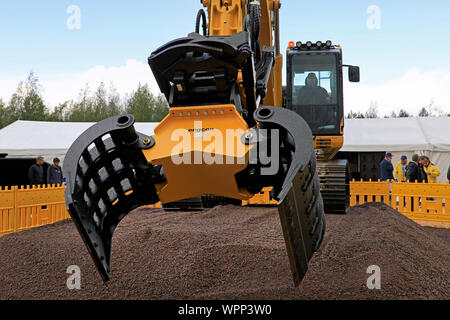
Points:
[(29, 139), (402, 136)]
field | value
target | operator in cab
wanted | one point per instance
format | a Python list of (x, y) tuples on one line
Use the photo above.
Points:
[(312, 93)]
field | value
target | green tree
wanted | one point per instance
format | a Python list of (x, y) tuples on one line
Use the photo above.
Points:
[(355, 115), (145, 106), (100, 105), (403, 114), (424, 113), (27, 103), (372, 112), (4, 116), (81, 110), (58, 113)]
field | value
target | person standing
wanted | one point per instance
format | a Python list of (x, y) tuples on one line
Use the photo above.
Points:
[(387, 168), (415, 173), (423, 177), (431, 170), (54, 173), (448, 174), (36, 173), (400, 169), (412, 170)]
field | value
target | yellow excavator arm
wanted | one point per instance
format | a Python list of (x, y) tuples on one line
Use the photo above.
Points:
[(226, 135)]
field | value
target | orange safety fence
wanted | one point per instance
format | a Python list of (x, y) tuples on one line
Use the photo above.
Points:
[(23, 208), (153, 206), (417, 201), (263, 198)]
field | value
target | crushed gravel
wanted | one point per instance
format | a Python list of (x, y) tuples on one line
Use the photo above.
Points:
[(231, 253)]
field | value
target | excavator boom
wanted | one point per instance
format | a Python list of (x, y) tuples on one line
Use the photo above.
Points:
[(226, 135)]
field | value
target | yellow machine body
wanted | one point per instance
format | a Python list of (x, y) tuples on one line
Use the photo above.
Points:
[(198, 147)]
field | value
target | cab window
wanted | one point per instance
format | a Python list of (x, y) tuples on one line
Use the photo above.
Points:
[(315, 91)]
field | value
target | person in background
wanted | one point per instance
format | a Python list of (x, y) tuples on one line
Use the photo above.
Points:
[(400, 169), (423, 175), (431, 170), (448, 174), (54, 173), (412, 170), (36, 173), (387, 168)]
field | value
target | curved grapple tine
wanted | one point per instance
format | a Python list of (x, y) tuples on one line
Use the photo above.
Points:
[(297, 137), (107, 177), (300, 203)]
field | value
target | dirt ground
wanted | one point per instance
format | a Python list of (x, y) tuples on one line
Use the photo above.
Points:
[(231, 253)]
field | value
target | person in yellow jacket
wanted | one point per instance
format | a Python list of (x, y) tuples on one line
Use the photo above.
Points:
[(400, 169), (431, 170)]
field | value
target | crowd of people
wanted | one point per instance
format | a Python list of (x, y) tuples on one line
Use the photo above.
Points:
[(53, 176), (420, 170)]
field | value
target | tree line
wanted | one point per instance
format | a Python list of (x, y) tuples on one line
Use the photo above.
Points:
[(27, 103), (372, 113)]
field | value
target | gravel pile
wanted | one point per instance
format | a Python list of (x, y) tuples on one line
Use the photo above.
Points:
[(231, 253)]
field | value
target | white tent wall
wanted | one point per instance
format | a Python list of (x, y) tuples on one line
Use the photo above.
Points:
[(401, 136)]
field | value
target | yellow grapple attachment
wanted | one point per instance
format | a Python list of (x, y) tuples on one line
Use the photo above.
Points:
[(215, 90)]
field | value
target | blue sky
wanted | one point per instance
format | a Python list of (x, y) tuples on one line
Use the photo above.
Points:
[(412, 42)]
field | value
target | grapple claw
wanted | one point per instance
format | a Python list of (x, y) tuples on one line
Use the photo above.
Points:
[(301, 206), (108, 177)]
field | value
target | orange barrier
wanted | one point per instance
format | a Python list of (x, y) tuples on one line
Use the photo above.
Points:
[(262, 198), (153, 206), (25, 207), (363, 191), (417, 201), (7, 211), (29, 207)]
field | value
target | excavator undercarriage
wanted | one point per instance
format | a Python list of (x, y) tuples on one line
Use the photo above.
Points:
[(219, 140)]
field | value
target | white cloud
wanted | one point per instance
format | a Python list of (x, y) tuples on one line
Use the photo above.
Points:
[(411, 92), (61, 87)]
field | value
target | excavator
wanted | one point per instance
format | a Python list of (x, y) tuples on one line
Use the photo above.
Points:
[(227, 135), (315, 91)]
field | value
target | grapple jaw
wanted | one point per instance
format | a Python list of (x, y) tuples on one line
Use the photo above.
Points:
[(296, 186), (108, 177)]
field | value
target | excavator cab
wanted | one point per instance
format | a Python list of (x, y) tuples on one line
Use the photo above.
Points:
[(315, 92), (315, 85), (226, 135)]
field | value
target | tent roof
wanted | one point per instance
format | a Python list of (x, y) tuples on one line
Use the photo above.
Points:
[(397, 134), (31, 138)]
